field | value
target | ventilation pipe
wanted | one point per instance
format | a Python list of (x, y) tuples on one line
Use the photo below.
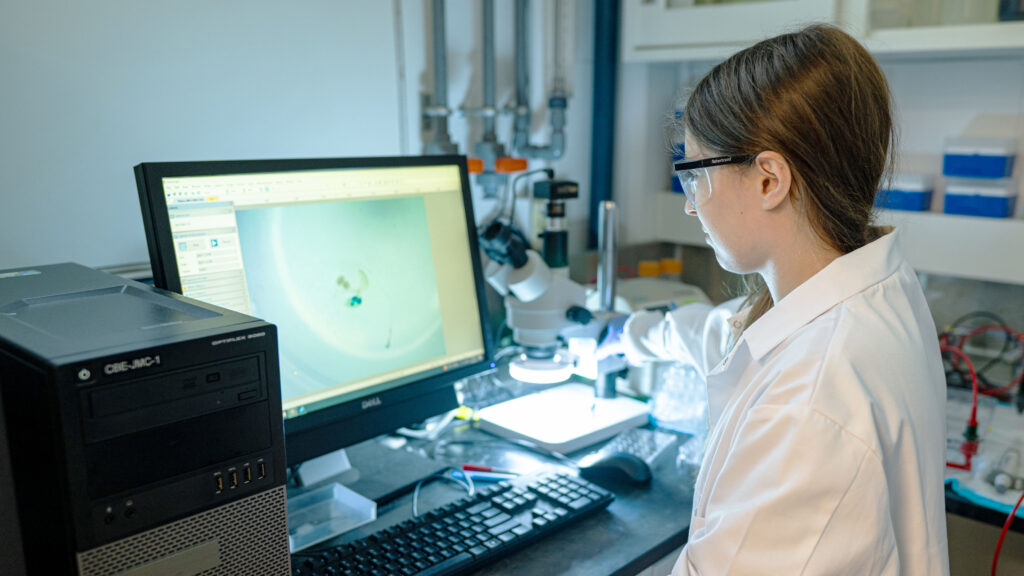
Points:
[(489, 150), (558, 100), (441, 144)]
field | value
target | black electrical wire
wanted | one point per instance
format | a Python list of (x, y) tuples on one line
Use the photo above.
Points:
[(1007, 343), (977, 314), (515, 182), (499, 333)]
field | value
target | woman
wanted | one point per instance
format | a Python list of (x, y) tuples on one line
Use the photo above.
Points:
[(826, 392)]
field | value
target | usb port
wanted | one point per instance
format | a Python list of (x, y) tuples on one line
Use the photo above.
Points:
[(233, 475), (218, 482), (247, 474), (261, 469)]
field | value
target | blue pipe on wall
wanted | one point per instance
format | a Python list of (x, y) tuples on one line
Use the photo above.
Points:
[(606, 54)]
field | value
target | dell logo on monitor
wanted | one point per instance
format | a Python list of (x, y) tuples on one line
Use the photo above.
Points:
[(371, 402)]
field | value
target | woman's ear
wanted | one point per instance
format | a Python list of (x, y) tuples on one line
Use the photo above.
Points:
[(774, 178)]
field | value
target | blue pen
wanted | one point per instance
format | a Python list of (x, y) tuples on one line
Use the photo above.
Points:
[(477, 476)]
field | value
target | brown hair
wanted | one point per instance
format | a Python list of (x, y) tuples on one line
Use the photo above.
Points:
[(819, 99)]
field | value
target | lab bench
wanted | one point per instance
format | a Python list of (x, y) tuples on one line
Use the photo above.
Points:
[(646, 524), (643, 525)]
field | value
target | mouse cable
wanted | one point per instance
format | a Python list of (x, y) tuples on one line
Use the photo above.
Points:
[(467, 484)]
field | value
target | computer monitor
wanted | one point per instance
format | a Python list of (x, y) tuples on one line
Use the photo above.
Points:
[(368, 266)]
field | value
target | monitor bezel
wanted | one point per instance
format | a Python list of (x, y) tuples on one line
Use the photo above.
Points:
[(358, 419)]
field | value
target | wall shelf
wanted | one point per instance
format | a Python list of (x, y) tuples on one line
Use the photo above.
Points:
[(973, 40), (962, 246), (656, 31)]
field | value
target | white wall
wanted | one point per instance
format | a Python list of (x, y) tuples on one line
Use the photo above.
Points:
[(92, 88), (465, 89), (646, 94)]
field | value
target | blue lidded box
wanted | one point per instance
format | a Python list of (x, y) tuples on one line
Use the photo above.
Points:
[(965, 157), (990, 198), (907, 192)]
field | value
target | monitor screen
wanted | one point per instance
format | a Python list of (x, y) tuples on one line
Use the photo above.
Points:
[(369, 268)]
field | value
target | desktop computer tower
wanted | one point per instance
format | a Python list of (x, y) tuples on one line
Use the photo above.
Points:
[(140, 431)]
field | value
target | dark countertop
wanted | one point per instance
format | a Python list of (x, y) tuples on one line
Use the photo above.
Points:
[(642, 525), (956, 504)]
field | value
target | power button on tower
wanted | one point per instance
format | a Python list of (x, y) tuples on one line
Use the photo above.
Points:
[(84, 374)]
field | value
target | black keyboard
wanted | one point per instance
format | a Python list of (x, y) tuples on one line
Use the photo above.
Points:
[(465, 534)]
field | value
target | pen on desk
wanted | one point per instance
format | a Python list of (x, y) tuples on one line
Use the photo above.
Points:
[(479, 476), (482, 468)]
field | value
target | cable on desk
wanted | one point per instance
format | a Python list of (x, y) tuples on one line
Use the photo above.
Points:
[(535, 448), (431, 430), (970, 445), (446, 475), (1002, 535), (957, 337), (1010, 332), (513, 349)]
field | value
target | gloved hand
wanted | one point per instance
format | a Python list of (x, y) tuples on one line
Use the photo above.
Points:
[(610, 341)]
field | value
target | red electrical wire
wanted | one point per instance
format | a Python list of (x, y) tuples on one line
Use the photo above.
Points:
[(973, 420), (970, 447), (1002, 535), (1001, 328)]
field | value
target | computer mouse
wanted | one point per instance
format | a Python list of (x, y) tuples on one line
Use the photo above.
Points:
[(615, 467)]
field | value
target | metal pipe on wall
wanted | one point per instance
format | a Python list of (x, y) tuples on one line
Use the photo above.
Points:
[(489, 66), (488, 149), (604, 386), (557, 102), (606, 265), (522, 119), (442, 142), (602, 155)]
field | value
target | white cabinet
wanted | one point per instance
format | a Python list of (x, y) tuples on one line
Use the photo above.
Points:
[(678, 30), (983, 64), (973, 40)]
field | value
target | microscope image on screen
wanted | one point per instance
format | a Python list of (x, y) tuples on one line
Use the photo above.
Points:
[(350, 285)]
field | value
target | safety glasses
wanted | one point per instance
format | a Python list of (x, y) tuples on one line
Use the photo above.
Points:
[(689, 173)]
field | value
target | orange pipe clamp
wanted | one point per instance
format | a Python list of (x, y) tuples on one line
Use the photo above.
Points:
[(507, 165), (503, 165)]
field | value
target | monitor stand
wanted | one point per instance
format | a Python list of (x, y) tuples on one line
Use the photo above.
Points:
[(565, 418), (341, 490)]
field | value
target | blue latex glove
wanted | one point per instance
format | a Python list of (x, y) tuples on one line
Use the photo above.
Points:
[(611, 337)]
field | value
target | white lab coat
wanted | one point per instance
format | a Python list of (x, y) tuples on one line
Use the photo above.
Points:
[(826, 452)]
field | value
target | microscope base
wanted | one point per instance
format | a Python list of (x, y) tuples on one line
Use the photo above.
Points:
[(564, 418)]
